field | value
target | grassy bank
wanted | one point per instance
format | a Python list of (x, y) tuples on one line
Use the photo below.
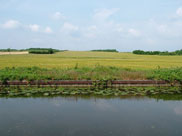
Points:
[(76, 73), (98, 72)]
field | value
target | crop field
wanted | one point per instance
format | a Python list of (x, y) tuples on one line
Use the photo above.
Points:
[(69, 59)]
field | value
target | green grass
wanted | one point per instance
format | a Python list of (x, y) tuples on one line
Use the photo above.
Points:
[(167, 74), (88, 73), (69, 59), (84, 73)]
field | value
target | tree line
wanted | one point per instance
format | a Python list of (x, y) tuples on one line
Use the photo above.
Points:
[(11, 50), (42, 50), (141, 52), (33, 50), (105, 50)]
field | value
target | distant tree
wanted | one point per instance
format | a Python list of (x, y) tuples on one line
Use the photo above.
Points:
[(8, 49), (105, 50), (42, 50), (50, 51), (141, 52)]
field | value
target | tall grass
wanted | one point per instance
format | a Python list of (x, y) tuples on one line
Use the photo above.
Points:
[(76, 73), (89, 73), (167, 74)]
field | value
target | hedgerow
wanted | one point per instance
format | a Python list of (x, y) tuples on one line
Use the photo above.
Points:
[(141, 52), (105, 50)]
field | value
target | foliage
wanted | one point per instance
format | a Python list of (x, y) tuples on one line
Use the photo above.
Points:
[(42, 50), (124, 92), (33, 50), (8, 50), (87, 73), (167, 74), (76, 73), (105, 50), (141, 52)]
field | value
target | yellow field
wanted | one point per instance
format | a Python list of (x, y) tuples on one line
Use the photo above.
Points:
[(72, 58)]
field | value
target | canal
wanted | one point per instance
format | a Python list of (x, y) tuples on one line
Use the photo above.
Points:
[(90, 116)]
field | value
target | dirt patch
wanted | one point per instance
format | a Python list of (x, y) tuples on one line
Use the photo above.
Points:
[(13, 53)]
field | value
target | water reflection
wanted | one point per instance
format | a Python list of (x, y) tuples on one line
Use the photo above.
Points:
[(178, 110), (104, 105), (80, 116)]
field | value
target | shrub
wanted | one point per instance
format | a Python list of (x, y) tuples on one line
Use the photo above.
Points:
[(167, 74)]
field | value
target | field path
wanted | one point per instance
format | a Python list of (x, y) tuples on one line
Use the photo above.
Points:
[(13, 53)]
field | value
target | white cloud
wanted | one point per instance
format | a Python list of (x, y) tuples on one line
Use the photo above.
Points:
[(69, 27), (11, 24), (58, 16), (34, 27), (103, 14), (179, 12), (134, 32), (48, 30)]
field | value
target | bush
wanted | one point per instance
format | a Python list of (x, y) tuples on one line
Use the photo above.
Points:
[(167, 74)]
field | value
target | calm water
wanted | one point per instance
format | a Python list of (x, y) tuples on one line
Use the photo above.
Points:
[(73, 116)]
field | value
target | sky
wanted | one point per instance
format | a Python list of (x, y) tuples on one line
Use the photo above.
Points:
[(125, 25)]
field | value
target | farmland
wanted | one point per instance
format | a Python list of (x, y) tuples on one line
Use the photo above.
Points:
[(70, 59)]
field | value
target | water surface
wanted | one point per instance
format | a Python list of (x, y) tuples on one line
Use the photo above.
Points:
[(76, 116)]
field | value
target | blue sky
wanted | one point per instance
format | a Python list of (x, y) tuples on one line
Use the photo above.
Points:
[(91, 24)]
